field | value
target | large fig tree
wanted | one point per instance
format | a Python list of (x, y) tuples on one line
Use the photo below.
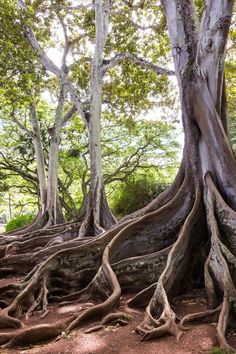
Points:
[(183, 238)]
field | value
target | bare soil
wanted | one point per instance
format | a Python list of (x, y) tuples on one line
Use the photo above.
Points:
[(198, 339)]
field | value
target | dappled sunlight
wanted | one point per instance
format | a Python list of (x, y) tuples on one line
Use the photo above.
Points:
[(89, 343)]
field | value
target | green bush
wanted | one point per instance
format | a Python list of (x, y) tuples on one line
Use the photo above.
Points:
[(135, 194), (19, 221)]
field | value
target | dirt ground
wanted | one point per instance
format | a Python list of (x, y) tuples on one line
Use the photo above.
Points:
[(199, 339), (123, 340)]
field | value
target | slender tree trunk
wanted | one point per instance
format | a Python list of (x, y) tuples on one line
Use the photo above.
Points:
[(50, 210), (50, 207), (94, 133), (39, 155), (53, 203), (98, 215), (9, 206), (52, 197)]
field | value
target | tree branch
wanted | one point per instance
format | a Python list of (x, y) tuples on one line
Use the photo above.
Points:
[(50, 66), (107, 64), (140, 5), (20, 125), (24, 175), (22, 188), (129, 165), (66, 46), (77, 39), (68, 115), (133, 23), (77, 7)]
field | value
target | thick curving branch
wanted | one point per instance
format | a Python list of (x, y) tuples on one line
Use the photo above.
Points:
[(119, 57)]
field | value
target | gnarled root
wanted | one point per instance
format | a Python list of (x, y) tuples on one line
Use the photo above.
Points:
[(153, 255), (123, 244), (120, 318), (34, 334), (206, 316), (34, 291), (122, 264), (102, 309), (160, 318), (219, 274), (217, 269), (32, 242)]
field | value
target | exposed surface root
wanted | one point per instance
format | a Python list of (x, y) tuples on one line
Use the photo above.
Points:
[(24, 263), (58, 272), (208, 316), (104, 308), (37, 241), (115, 318), (54, 279), (122, 245), (218, 267), (160, 318), (35, 334), (154, 256)]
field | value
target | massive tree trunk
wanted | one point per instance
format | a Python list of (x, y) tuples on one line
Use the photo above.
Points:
[(199, 56), (187, 237), (98, 215)]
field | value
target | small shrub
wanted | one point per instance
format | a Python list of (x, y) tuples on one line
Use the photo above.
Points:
[(19, 221), (135, 194)]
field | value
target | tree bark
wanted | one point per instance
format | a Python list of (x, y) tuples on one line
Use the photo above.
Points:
[(53, 203), (50, 212), (98, 216), (39, 155), (199, 64)]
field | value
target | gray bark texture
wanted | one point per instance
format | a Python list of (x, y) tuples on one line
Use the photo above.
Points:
[(50, 210), (98, 216), (39, 156)]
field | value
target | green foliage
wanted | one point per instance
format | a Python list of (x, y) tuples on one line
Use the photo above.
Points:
[(131, 139), (230, 76), (230, 72), (137, 192), (217, 350), (19, 221)]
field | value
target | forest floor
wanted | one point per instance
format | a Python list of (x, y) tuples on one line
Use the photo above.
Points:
[(199, 339)]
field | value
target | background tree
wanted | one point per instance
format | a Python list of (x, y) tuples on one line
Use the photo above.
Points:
[(97, 208), (131, 149)]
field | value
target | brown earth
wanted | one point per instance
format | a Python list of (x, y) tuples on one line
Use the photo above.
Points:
[(199, 339)]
